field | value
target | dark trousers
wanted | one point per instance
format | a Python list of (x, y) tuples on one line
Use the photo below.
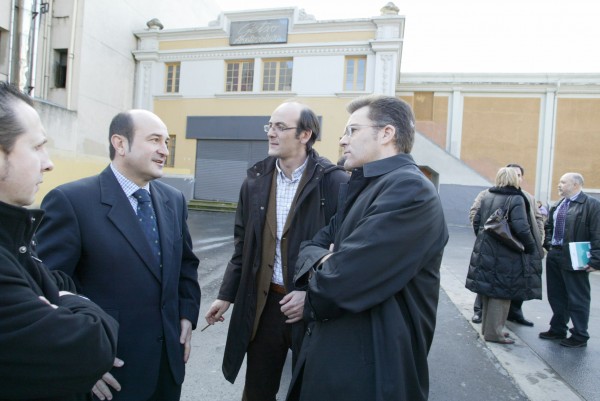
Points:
[(267, 352), (166, 388), (569, 297), (514, 312)]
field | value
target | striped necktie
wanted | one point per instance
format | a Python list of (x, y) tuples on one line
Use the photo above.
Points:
[(559, 225)]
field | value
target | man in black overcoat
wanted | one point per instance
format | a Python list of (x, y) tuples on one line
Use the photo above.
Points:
[(372, 275)]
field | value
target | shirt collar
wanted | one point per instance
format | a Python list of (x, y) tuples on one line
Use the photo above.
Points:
[(296, 174), (574, 197), (128, 186)]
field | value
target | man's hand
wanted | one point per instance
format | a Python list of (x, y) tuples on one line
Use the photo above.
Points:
[(589, 269), (293, 306), (45, 300), (216, 311), (186, 338), (101, 389)]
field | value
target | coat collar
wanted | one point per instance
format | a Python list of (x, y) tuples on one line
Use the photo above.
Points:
[(384, 166), (18, 226)]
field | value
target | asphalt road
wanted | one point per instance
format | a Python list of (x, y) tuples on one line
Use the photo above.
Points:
[(462, 366)]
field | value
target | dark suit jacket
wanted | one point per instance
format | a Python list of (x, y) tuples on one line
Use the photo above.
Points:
[(91, 232)]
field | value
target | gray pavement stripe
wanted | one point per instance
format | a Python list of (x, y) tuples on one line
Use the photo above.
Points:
[(535, 378)]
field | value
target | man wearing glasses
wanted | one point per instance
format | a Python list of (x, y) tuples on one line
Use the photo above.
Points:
[(372, 275), (285, 199)]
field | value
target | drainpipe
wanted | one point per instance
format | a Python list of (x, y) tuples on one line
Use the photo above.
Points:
[(33, 31), (71, 54), (13, 5), (45, 53)]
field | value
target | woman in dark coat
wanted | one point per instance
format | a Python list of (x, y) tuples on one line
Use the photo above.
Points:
[(497, 272)]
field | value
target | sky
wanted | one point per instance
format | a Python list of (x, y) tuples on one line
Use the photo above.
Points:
[(466, 36)]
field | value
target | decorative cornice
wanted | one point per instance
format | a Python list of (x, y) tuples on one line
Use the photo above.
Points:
[(501, 83), (253, 52)]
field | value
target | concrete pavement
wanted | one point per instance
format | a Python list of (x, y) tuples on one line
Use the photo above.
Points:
[(462, 366)]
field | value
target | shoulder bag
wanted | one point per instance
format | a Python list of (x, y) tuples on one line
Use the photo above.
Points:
[(497, 226)]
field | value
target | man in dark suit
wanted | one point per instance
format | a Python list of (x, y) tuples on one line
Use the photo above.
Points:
[(575, 218), (124, 239)]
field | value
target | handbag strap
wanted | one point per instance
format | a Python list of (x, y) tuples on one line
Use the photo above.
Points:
[(507, 203)]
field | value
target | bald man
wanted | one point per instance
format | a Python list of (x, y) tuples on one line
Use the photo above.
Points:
[(575, 218), (124, 239)]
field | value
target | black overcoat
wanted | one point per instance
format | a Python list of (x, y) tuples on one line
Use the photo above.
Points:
[(371, 307), (496, 270), (45, 353), (315, 205), (582, 224)]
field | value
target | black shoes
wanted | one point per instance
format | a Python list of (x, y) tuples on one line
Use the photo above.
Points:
[(550, 335), (520, 320), (476, 318), (573, 343)]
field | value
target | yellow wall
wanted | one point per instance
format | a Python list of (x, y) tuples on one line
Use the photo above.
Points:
[(577, 145), (331, 37), (292, 39), (193, 44), (501, 130), (175, 112), (68, 167)]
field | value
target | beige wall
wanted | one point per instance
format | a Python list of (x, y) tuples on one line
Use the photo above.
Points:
[(501, 130), (175, 112), (431, 115), (577, 144)]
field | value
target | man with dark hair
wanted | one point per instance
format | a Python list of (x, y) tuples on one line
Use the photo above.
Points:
[(123, 236), (53, 344), (575, 218), (372, 275), (285, 200), (535, 218)]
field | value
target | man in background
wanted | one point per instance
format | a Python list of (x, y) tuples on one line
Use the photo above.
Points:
[(575, 218)]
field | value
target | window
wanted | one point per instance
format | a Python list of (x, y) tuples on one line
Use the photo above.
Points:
[(60, 72), (355, 73), (171, 147), (277, 75), (240, 75), (172, 85)]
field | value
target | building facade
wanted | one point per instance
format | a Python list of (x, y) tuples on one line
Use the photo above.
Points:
[(548, 123), (216, 86), (75, 58)]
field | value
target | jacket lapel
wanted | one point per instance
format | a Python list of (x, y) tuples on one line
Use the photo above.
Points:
[(123, 217)]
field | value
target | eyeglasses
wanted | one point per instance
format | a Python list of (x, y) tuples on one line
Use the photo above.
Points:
[(350, 130), (279, 128)]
